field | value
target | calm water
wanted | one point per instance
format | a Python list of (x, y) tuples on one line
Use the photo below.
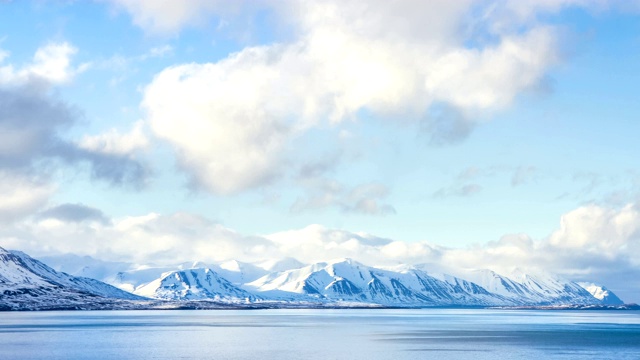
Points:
[(321, 334)]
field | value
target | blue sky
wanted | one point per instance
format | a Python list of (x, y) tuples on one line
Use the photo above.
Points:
[(481, 134)]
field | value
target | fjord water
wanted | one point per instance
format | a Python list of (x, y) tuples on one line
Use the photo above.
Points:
[(321, 334)]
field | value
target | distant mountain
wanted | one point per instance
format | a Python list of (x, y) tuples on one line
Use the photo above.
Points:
[(275, 265), (85, 266), (343, 281), (238, 272), (601, 293), (27, 283), (125, 276), (194, 284), (533, 289), (348, 280)]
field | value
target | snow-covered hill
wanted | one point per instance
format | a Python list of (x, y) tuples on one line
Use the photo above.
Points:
[(194, 284), (28, 283)]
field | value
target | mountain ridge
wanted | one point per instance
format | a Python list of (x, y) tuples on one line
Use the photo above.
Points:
[(26, 283), (338, 281)]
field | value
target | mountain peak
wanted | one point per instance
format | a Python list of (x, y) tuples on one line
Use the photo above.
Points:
[(346, 260), (287, 263), (601, 293), (193, 284)]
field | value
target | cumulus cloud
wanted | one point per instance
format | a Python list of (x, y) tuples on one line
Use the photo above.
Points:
[(604, 231), (115, 143), (51, 64), (33, 122), (231, 122), (227, 130), (178, 237), (316, 243), (151, 238), (592, 243), (30, 123), (22, 195), (31, 128)]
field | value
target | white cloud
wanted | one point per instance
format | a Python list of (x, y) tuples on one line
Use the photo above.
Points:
[(170, 16), (606, 232), (232, 121), (151, 238), (51, 63), (115, 143), (604, 237), (316, 243), (592, 243), (226, 126), (32, 123), (21, 195)]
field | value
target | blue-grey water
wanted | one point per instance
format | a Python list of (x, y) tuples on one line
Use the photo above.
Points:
[(321, 334)]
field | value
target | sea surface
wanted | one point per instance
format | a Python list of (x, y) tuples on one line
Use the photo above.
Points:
[(321, 334)]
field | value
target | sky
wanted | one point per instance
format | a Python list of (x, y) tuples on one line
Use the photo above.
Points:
[(470, 134)]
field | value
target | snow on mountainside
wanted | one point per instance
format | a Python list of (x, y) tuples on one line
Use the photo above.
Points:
[(348, 280), (275, 265), (194, 284), (85, 266), (601, 293), (344, 280), (238, 272), (26, 282), (129, 277), (532, 289)]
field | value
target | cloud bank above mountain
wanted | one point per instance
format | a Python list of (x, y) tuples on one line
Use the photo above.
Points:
[(592, 243)]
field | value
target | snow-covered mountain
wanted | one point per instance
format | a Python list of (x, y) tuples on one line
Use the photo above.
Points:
[(348, 280), (274, 265), (238, 272), (601, 293), (28, 283), (130, 277), (343, 281), (194, 284), (533, 289)]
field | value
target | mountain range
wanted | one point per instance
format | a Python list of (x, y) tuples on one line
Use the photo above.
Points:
[(82, 282)]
